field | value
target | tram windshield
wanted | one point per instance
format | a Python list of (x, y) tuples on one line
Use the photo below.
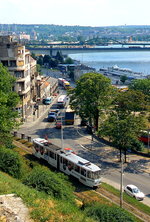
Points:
[(94, 175)]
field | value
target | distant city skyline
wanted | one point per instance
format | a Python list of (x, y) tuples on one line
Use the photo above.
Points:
[(75, 12)]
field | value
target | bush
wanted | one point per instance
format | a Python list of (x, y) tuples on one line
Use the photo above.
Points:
[(106, 213), (10, 162), (45, 180)]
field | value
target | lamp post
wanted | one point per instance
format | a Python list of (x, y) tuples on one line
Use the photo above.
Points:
[(38, 79), (148, 145), (62, 142), (121, 181)]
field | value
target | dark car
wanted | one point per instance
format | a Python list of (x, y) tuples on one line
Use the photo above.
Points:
[(52, 116)]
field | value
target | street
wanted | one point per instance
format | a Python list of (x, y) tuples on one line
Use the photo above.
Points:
[(76, 137)]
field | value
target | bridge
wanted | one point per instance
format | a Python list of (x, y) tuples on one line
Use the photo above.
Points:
[(52, 51)]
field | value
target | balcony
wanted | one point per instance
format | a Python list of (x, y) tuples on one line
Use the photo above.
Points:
[(23, 91)]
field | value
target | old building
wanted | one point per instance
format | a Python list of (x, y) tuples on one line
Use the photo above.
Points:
[(22, 66)]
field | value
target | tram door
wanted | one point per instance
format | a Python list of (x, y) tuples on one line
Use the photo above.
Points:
[(58, 162)]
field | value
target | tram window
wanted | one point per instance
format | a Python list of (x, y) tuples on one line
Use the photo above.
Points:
[(36, 147), (65, 162), (89, 174), (42, 150), (51, 154), (61, 159), (83, 172), (77, 169), (46, 152), (70, 165)]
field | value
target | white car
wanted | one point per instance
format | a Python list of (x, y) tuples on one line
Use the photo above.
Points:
[(134, 192)]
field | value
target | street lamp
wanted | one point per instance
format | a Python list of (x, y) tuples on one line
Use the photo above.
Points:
[(121, 181), (62, 142)]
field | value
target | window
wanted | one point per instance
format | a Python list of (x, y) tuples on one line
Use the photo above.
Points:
[(61, 159), (19, 74), (41, 150), (51, 154), (12, 63), (77, 169), (70, 165), (65, 162), (4, 62), (93, 175), (83, 172)]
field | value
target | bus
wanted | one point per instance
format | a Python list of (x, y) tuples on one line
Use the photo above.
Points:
[(66, 84), (67, 162), (145, 136), (69, 116), (61, 102)]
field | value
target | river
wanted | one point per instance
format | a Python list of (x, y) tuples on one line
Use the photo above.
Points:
[(138, 61)]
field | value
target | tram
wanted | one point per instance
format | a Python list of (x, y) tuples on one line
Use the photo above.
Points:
[(68, 162)]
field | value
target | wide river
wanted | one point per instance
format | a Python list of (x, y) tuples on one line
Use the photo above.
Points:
[(138, 61)]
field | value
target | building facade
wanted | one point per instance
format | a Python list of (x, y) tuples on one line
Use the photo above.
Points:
[(23, 67)]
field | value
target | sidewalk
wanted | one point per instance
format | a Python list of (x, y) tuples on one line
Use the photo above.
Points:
[(109, 155), (31, 120)]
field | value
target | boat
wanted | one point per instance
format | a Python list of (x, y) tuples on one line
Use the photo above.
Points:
[(116, 72)]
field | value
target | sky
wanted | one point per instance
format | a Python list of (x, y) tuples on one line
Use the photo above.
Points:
[(75, 12)]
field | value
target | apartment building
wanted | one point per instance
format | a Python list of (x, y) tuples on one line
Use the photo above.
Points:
[(22, 66)]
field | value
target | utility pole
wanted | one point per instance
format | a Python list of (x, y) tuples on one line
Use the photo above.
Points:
[(121, 182), (148, 140), (62, 142)]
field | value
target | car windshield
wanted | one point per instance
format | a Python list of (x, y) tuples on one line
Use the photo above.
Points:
[(136, 190), (51, 113)]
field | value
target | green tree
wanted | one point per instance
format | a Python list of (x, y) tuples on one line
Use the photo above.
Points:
[(69, 60), (125, 120), (92, 94), (40, 60), (46, 59), (59, 57), (142, 85), (123, 78), (8, 102)]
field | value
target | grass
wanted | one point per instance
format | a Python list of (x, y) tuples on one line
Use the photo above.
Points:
[(144, 208), (43, 208)]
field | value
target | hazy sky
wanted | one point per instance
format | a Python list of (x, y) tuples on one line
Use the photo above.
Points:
[(76, 12)]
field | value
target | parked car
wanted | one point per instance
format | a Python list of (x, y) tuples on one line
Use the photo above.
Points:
[(47, 101), (52, 116), (133, 191), (58, 125)]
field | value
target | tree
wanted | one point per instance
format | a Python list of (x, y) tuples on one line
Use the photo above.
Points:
[(40, 60), (92, 94), (69, 60), (46, 59), (142, 85), (8, 102), (123, 78), (125, 120), (59, 57)]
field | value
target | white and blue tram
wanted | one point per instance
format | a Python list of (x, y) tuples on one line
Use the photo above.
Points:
[(68, 162)]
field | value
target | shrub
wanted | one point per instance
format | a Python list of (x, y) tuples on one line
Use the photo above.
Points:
[(106, 213), (10, 162), (45, 180)]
